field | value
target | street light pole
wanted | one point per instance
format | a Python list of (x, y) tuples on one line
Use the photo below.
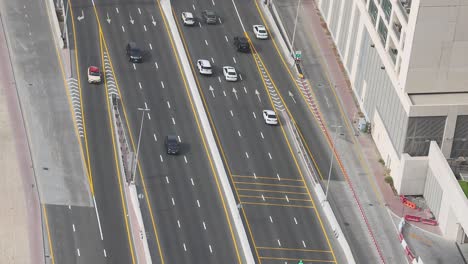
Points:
[(143, 110), (295, 25), (331, 160)]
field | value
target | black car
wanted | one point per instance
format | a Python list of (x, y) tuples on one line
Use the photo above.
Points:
[(172, 145), (134, 53), (209, 17), (241, 44)]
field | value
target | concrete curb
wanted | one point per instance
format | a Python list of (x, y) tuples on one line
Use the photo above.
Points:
[(137, 227), (55, 25), (313, 179), (229, 196)]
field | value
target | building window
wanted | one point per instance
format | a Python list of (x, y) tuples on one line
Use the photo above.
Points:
[(373, 11), (382, 31), (387, 8)]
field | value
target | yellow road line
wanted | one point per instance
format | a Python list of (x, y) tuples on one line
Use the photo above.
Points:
[(153, 222), (266, 178), (52, 258), (284, 133), (295, 249), (297, 259), (111, 125), (269, 184), (217, 137), (274, 198), (255, 190), (282, 205)]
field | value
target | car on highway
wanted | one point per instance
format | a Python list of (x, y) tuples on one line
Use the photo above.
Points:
[(260, 31), (209, 17), (270, 117), (204, 67), (188, 19), (230, 73), (172, 145), (133, 52), (94, 74), (241, 44)]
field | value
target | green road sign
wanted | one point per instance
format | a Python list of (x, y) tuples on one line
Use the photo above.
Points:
[(297, 54)]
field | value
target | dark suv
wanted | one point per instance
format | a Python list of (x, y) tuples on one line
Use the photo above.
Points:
[(209, 17), (241, 44), (172, 145), (134, 53)]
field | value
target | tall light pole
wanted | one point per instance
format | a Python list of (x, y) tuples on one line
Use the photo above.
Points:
[(295, 25), (135, 163), (331, 159)]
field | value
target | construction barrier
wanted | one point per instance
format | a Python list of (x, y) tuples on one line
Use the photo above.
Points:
[(412, 218), (429, 222)]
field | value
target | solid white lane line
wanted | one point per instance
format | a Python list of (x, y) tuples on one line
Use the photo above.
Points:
[(151, 46), (238, 16), (269, 155), (277, 176), (232, 114), (105, 253), (168, 105), (78, 252), (227, 40), (185, 248), (173, 201), (204, 225), (255, 116), (206, 42), (185, 158), (97, 216), (155, 138), (239, 133), (167, 179), (162, 84), (191, 180), (156, 64), (211, 251), (149, 117), (178, 223), (271, 219), (139, 84), (247, 154), (295, 220), (198, 203), (261, 134), (161, 158), (234, 59), (173, 121), (279, 243), (303, 243), (73, 226)]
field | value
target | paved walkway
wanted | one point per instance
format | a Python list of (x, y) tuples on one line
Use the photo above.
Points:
[(20, 217)]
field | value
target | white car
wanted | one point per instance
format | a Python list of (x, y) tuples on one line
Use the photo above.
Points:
[(260, 32), (270, 117), (188, 19), (204, 67), (94, 74), (230, 73)]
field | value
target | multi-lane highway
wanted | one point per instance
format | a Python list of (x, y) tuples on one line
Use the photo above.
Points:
[(278, 208), (183, 207)]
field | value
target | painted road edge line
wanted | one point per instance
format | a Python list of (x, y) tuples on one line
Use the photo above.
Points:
[(231, 202)]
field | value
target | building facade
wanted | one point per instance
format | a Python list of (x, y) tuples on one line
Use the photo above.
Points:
[(407, 61)]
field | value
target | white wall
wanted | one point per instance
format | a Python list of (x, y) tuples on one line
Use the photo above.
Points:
[(413, 175)]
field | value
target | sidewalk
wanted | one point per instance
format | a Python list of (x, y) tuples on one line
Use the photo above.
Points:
[(20, 218), (322, 66)]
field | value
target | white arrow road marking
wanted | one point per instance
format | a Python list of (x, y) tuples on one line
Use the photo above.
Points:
[(80, 17), (258, 95), (131, 19), (153, 21), (235, 93), (108, 18), (292, 96), (212, 91)]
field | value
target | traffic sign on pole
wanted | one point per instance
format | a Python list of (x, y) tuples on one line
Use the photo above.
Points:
[(298, 55)]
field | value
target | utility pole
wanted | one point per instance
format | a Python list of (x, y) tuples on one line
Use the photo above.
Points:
[(135, 163), (331, 159)]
